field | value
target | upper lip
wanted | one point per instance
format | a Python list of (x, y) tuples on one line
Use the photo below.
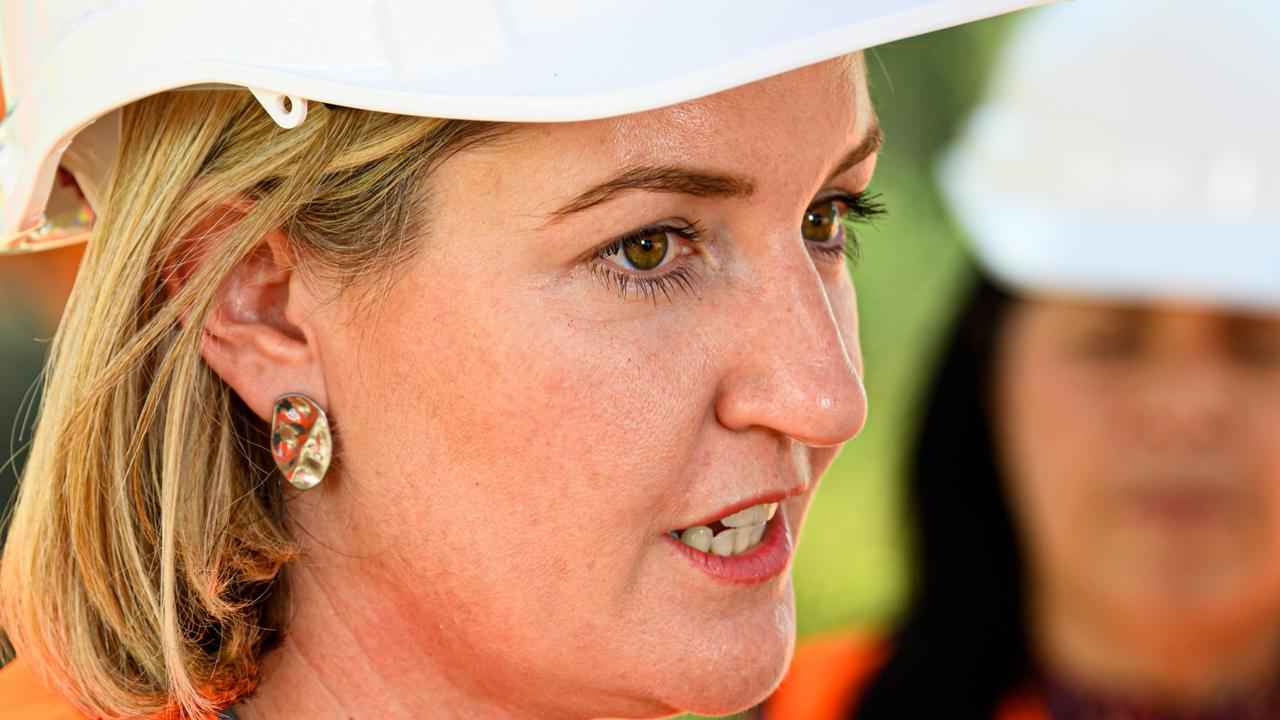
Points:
[(770, 497)]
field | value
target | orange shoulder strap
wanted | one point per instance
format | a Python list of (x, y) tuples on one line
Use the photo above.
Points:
[(23, 697), (826, 677)]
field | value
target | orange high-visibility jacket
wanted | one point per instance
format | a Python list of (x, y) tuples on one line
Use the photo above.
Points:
[(829, 674), (23, 697)]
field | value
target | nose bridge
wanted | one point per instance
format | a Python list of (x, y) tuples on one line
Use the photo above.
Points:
[(795, 371), (1189, 358), (1185, 391)]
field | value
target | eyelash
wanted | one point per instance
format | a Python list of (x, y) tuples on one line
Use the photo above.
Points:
[(863, 207), (682, 277)]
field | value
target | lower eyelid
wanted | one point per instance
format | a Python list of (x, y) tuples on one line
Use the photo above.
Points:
[(835, 244), (676, 274), (682, 277)]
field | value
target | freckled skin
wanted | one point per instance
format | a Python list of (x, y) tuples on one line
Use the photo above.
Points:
[(515, 439)]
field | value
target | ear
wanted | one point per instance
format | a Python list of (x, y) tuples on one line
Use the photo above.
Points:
[(255, 337)]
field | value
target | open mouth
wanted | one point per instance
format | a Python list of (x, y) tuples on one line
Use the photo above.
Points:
[(730, 535)]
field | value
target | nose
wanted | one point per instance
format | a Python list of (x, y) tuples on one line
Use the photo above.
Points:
[(1185, 401), (795, 369)]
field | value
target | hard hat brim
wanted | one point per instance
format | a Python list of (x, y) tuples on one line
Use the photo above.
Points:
[(1034, 246), (526, 62)]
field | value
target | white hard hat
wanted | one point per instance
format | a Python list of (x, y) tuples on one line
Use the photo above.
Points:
[(69, 63), (1130, 150)]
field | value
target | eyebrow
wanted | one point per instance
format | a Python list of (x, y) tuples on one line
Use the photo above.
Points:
[(694, 182), (660, 178), (870, 145)]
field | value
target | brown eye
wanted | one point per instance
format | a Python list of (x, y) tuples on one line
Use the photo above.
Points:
[(646, 252), (822, 222)]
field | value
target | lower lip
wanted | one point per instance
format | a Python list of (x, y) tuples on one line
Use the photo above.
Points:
[(761, 563), (1180, 511)]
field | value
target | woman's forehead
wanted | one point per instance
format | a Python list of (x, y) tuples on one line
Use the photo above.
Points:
[(791, 121), (822, 102)]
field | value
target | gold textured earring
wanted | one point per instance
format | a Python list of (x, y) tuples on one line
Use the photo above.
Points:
[(300, 440)]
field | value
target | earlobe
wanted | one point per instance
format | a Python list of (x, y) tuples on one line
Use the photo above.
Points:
[(249, 339)]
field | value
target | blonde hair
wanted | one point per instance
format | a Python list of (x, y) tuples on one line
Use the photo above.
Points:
[(142, 575)]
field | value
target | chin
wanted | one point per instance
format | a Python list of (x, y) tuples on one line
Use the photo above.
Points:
[(728, 692), (736, 675)]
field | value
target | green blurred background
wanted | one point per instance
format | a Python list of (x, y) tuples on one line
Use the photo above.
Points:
[(851, 568)]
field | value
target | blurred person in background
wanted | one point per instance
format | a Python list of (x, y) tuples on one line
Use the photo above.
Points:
[(1096, 484)]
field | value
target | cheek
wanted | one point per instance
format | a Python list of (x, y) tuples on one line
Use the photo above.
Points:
[(1054, 430), (1258, 403), (1259, 406), (553, 443)]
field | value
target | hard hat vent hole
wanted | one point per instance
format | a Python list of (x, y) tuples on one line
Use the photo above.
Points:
[(67, 219)]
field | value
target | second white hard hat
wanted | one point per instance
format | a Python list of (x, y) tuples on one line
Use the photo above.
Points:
[(1129, 150)]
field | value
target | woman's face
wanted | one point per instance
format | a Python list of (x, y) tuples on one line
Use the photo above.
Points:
[(534, 408), (1140, 448)]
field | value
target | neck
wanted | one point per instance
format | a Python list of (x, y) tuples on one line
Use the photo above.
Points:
[(340, 658), (1182, 664)]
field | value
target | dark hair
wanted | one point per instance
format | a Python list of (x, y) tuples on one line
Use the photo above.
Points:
[(962, 646)]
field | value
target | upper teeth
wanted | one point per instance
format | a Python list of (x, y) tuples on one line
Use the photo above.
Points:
[(754, 515), (744, 529)]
